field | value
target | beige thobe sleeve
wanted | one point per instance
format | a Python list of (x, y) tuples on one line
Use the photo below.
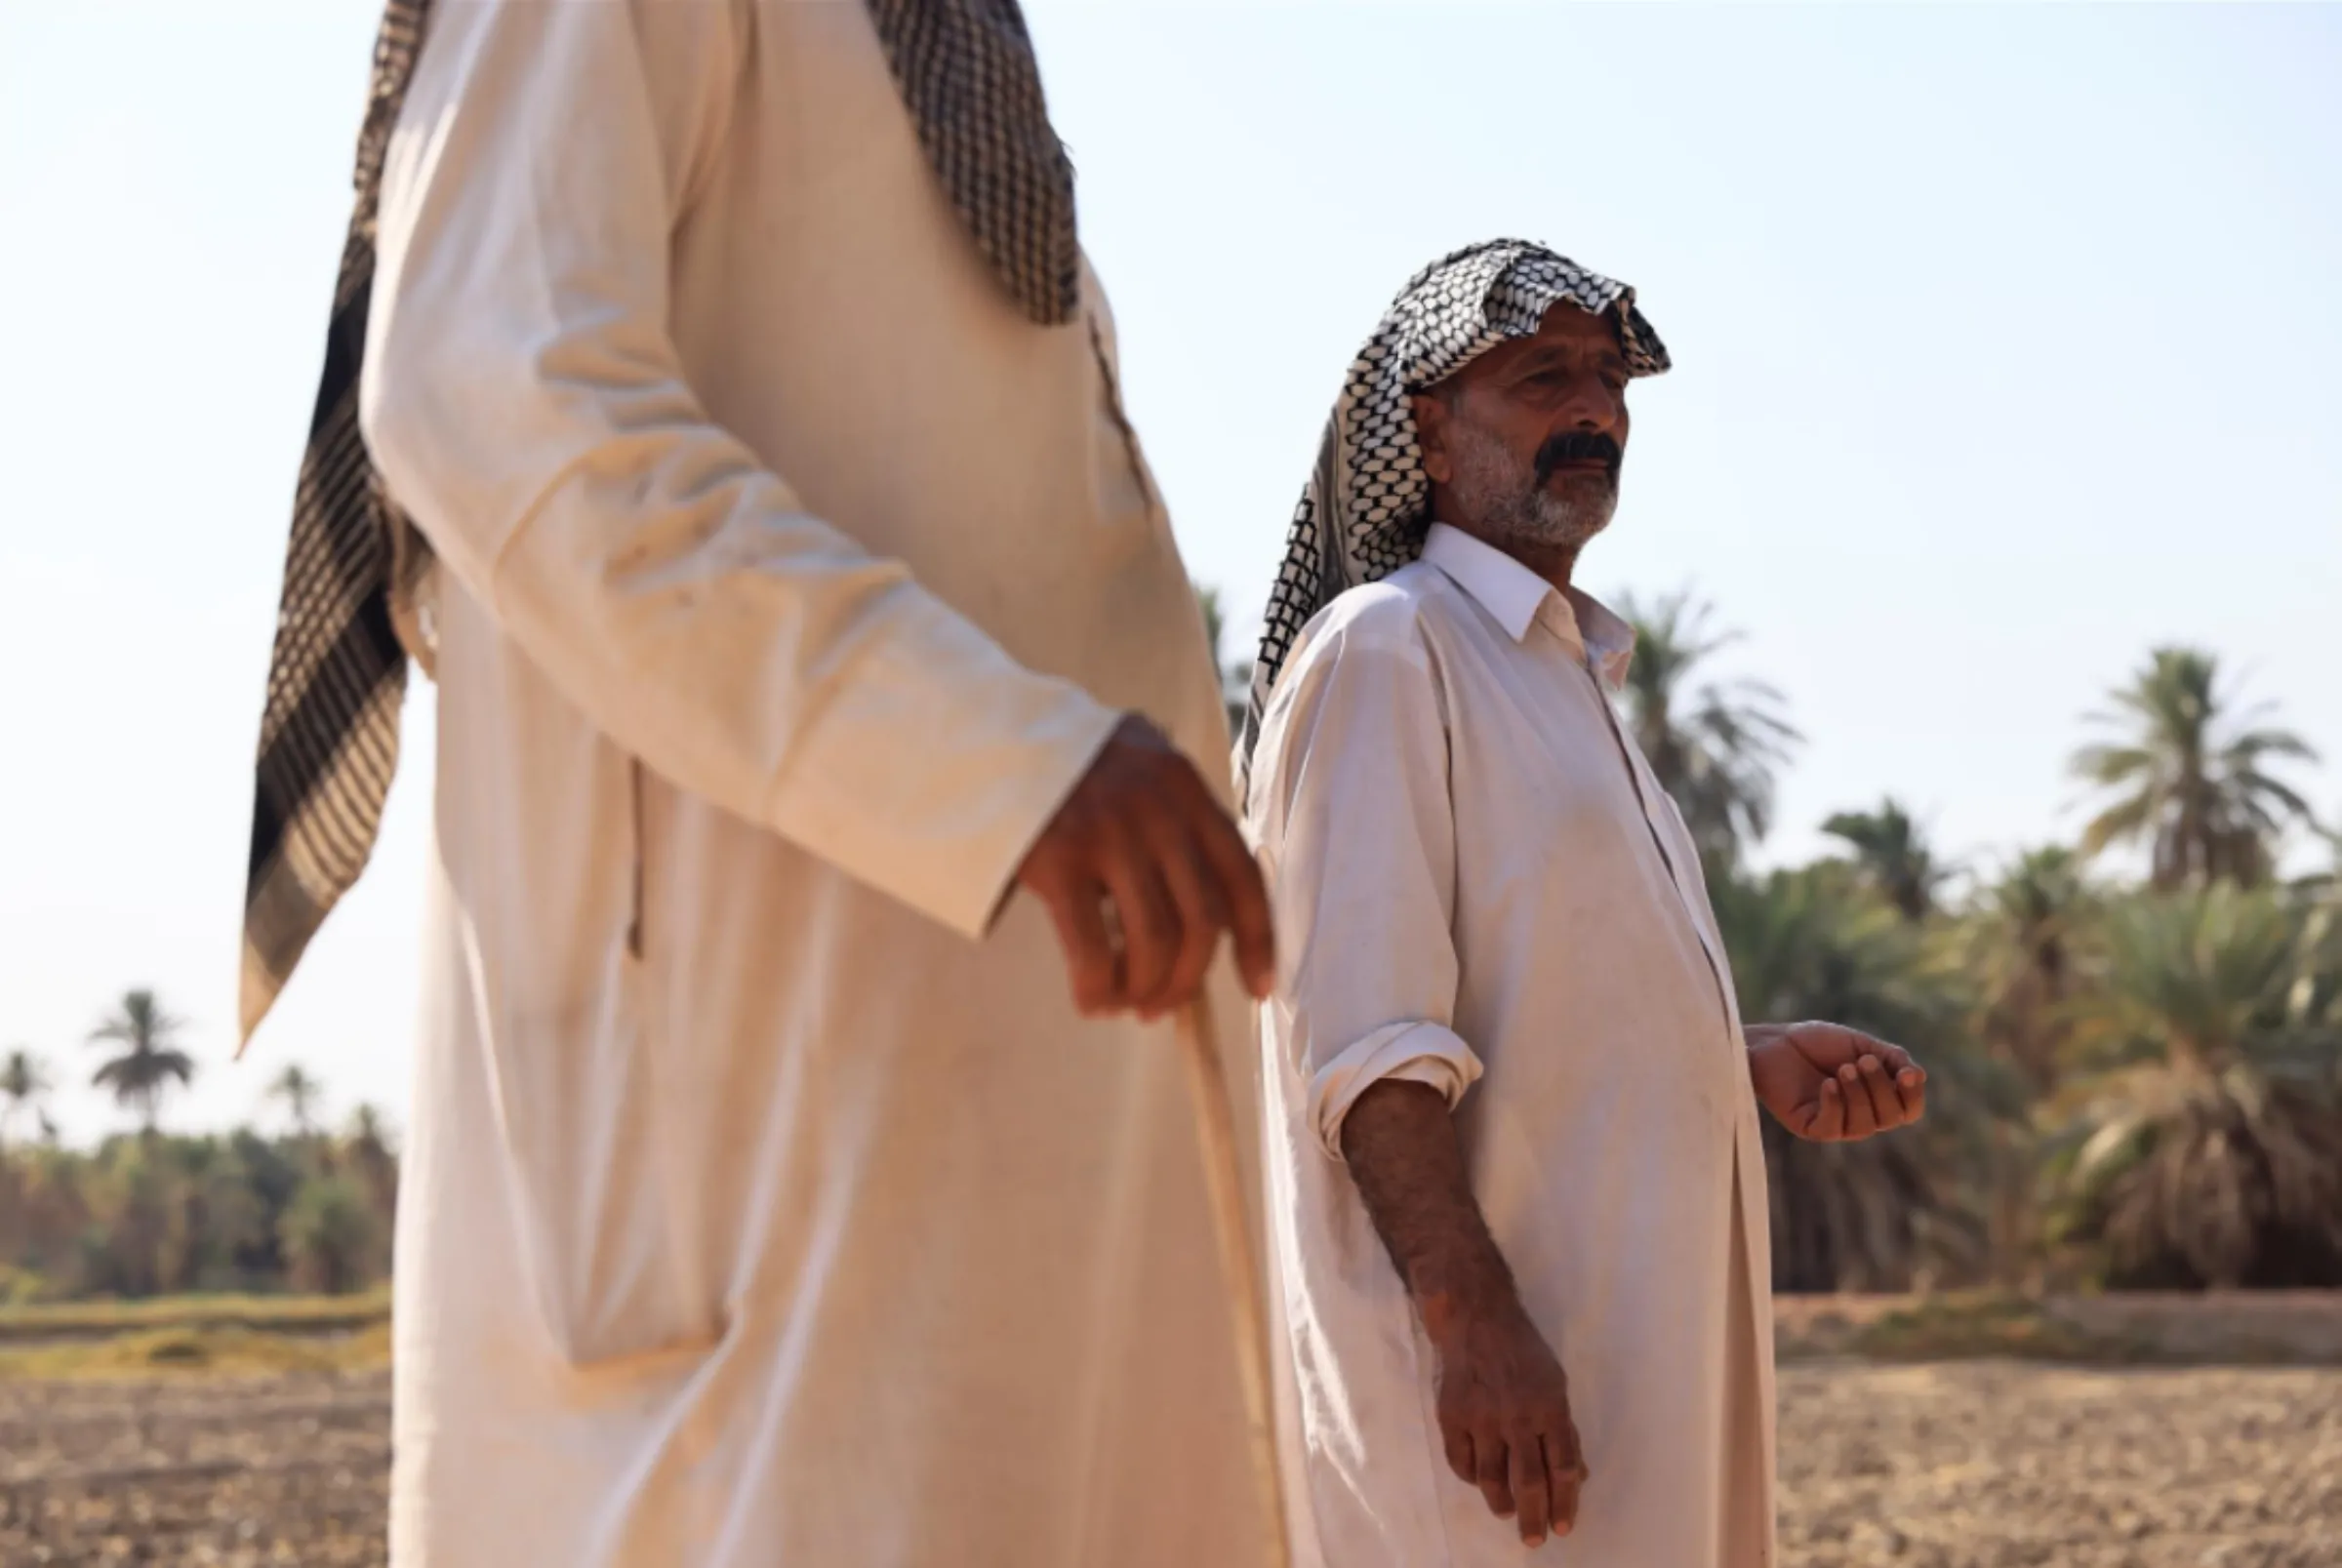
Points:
[(525, 402), (1359, 836)]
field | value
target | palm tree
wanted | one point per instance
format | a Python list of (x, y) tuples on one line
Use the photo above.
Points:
[(1715, 748), (24, 1081), (2313, 999), (367, 1128), (2189, 777), (1214, 622), (328, 1236), (52, 1211), (301, 1093), (132, 1247), (1893, 1212), (149, 1061), (2028, 942), (1235, 676), (2206, 1146), (1891, 850), (367, 1154)]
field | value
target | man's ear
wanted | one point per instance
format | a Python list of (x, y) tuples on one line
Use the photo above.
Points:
[(1431, 419)]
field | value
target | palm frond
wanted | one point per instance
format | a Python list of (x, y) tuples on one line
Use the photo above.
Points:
[(2209, 1147)]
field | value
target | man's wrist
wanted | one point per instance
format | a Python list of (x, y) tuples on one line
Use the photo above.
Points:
[(1469, 1293)]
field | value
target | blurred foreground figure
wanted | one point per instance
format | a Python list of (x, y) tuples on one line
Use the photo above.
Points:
[(742, 451), (1480, 882)]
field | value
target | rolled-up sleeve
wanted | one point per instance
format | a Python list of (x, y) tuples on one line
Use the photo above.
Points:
[(1351, 811)]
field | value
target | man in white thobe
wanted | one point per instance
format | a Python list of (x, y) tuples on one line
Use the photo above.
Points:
[(769, 1198), (1516, 1186)]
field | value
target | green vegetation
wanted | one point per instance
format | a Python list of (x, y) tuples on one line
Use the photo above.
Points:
[(257, 1314), (150, 1214), (1893, 1213), (1715, 746), (2130, 1086), (148, 1064), (2203, 1146), (2133, 1086), (2189, 776), (144, 1353), (1891, 853)]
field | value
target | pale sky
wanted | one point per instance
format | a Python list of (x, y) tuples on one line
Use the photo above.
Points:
[(2007, 348)]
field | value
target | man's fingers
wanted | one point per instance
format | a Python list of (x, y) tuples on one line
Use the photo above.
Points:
[(1860, 1121), (1529, 1496), (1878, 1086), (1245, 896), (1913, 1087), (1829, 1122), (1458, 1443), (1905, 1100), (1149, 922), (1080, 920), (1893, 1058), (1203, 912), (1143, 825), (1490, 1459), (1565, 1473)]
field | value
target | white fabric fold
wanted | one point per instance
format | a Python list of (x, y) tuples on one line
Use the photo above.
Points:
[(788, 577), (1415, 1051), (1464, 845)]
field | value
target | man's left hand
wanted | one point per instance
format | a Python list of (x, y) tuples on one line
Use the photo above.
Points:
[(1833, 1085)]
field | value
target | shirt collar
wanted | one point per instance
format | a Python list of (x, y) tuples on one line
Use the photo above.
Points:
[(1517, 598)]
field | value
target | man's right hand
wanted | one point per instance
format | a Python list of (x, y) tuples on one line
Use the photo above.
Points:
[(1142, 831), (1504, 1414)]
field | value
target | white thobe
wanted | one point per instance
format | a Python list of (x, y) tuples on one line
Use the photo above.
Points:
[(1481, 886), (767, 1202)]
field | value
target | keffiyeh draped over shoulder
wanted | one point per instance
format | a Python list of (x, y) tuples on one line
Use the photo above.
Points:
[(346, 626), (1364, 511)]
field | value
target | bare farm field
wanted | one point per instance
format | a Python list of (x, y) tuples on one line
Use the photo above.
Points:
[(206, 1452), (2001, 1463), (1966, 1465), (195, 1471)]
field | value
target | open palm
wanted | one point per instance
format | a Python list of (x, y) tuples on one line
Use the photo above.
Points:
[(1833, 1084)]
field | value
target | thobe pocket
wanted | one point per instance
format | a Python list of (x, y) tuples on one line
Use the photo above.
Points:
[(601, 1185)]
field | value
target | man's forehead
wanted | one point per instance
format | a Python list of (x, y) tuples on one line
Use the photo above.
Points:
[(1565, 327)]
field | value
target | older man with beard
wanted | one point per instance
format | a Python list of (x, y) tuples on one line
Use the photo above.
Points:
[(1479, 881)]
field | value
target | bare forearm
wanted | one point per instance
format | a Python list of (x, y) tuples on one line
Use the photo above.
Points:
[(1504, 1401), (1399, 1142)]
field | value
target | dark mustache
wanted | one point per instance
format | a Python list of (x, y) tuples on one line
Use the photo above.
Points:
[(1578, 445)]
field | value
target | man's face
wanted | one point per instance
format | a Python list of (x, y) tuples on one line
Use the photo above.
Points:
[(1523, 444)]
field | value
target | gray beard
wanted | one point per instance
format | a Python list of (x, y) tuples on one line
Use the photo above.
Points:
[(1500, 496)]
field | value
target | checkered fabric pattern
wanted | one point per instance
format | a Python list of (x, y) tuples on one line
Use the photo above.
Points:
[(966, 69), (1366, 506), (344, 631)]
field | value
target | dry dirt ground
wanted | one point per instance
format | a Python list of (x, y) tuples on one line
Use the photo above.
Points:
[(1982, 1465), (1962, 1465)]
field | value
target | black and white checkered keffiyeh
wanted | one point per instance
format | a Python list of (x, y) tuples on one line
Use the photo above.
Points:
[(329, 730), (1366, 506)]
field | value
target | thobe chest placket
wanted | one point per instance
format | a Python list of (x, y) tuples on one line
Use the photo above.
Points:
[(1609, 1118), (1584, 662)]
